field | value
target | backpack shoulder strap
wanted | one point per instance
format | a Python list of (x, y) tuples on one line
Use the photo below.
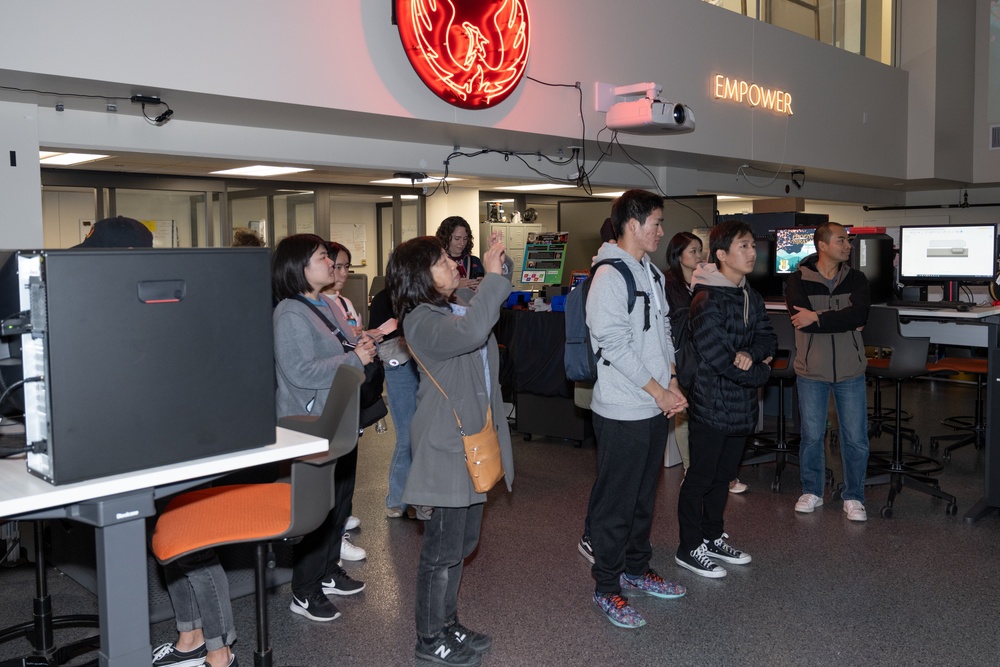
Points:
[(626, 274)]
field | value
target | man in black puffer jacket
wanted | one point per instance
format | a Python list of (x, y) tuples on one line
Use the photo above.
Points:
[(733, 342)]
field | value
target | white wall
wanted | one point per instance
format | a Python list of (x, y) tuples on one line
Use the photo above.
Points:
[(258, 60)]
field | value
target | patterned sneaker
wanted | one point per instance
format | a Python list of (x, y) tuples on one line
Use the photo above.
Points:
[(477, 641), (618, 610), (807, 503), (167, 655), (585, 549), (652, 584), (341, 584), (352, 523), (351, 551), (698, 561), (719, 550), (446, 649), (315, 607)]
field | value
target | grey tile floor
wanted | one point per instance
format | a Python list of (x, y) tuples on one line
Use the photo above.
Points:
[(921, 588)]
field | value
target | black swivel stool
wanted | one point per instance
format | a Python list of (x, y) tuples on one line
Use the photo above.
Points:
[(779, 446), (971, 428), (907, 360)]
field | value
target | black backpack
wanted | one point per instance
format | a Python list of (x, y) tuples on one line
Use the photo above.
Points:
[(580, 359)]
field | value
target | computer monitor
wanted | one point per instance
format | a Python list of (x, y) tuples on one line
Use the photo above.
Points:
[(763, 278), (792, 245), (961, 253)]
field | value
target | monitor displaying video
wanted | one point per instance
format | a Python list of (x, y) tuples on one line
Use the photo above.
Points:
[(952, 252), (792, 245)]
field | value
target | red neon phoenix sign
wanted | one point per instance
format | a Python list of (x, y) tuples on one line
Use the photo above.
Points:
[(470, 53)]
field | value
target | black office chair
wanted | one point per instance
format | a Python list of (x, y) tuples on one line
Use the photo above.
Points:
[(907, 359), (971, 429), (266, 513), (778, 446)]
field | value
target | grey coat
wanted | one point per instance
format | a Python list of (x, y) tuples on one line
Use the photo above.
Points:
[(448, 345), (306, 355)]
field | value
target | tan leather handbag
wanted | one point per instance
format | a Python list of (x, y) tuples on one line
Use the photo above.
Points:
[(482, 450)]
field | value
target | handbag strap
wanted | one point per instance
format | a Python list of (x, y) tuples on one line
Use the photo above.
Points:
[(489, 408), (333, 327)]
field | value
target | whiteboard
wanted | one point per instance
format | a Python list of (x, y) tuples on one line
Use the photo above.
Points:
[(353, 237)]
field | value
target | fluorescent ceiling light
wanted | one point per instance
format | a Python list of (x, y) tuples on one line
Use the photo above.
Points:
[(499, 201), (401, 197), (68, 159), (260, 170), (536, 186), (728, 197), (44, 154), (613, 195), (420, 181)]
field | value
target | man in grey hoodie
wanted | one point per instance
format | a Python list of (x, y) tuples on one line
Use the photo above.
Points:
[(634, 396)]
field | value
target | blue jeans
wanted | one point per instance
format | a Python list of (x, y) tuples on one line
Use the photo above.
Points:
[(401, 383), (199, 593), (851, 401)]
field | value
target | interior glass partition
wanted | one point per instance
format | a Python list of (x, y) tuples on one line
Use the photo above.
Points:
[(864, 27)]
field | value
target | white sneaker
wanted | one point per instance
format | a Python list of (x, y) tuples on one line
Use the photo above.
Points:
[(807, 502), (352, 523), (736, 486), (350, 551), (855, 510)]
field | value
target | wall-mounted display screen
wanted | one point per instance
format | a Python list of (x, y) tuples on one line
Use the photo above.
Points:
[(792, 245), (953, 252)]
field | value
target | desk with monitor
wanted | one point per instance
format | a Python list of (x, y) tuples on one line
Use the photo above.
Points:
[(978, 327), (117, 507)]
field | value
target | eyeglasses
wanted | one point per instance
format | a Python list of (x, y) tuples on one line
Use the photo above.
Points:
[(341, 267)]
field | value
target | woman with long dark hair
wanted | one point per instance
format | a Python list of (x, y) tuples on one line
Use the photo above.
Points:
[(459, 378), (307, 353), (455, 236)]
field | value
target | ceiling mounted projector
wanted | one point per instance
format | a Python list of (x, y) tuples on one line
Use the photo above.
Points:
[(639, 110)]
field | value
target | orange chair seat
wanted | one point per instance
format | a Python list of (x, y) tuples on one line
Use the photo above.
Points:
[(959, 365), (222, 515), (879, 362), (779, 364)]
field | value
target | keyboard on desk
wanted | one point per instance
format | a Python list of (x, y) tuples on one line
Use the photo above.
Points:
[(933, 305)]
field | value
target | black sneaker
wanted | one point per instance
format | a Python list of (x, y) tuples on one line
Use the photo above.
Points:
[(340, 583), (699, 562), (585, 549), (477, 641), (720, 550), (315, 607), (167, 655), (446, 649)]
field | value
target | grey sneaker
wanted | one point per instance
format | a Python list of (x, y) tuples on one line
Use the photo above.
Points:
[(167, 655), (807, 503)]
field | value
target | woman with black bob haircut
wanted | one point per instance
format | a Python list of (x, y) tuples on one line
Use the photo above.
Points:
[(455, 346), (455, 236), (307, 354)]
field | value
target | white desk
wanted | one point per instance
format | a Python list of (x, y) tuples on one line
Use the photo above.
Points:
[(117, 507)]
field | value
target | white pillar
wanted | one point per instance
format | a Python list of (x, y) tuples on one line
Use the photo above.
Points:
[(20, 177)]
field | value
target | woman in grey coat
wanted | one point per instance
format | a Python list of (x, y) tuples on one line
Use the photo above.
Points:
[(455, 345), (307, 353)]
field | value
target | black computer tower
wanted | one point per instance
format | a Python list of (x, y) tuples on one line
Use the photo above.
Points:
[(872, 254), (139, 358)]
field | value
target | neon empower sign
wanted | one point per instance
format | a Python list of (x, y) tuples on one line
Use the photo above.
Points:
[(470, 53), (741, 91)]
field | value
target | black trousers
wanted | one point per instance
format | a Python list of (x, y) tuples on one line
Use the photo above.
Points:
[(629, 463), (314, 557), (450, 536), (715, 458)]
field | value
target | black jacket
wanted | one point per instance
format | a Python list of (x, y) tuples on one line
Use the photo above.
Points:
[(726, 319), (832, 349), (679, 300)]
